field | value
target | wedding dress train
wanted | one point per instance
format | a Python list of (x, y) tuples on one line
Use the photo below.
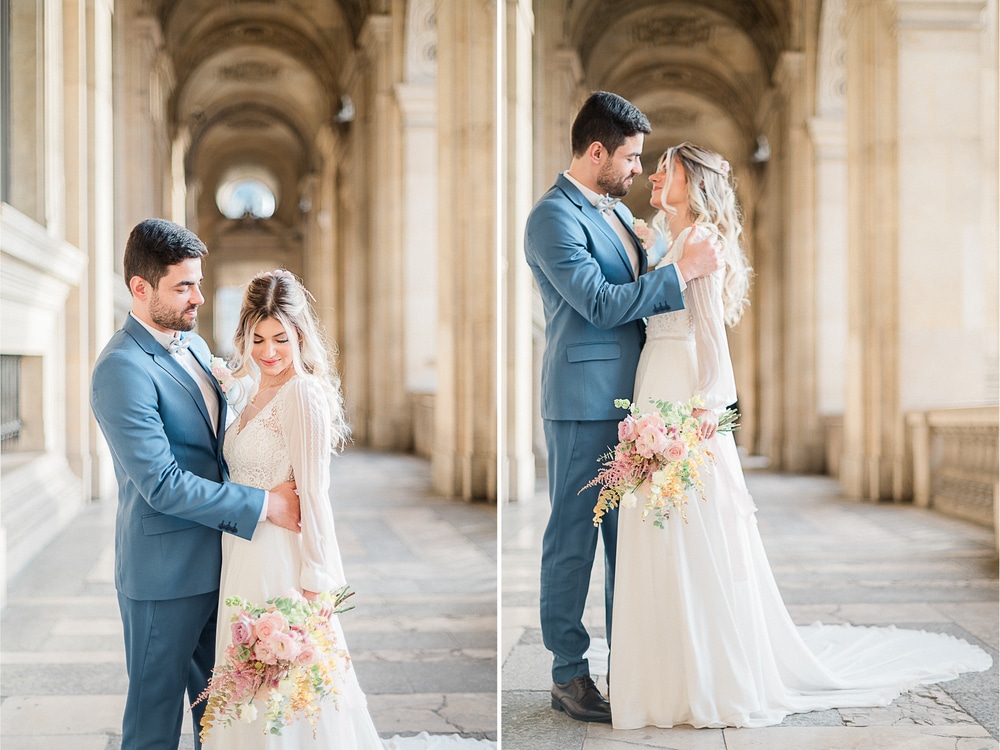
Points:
[(701, 635)]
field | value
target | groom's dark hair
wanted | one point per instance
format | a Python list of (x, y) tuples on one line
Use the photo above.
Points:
[(156, 244), (607, 119)]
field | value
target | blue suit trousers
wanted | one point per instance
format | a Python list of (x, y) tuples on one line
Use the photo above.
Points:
[(156, 631), (570, 541)]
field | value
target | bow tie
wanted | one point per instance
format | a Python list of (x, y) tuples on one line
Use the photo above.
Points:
[(606, 203), (178, 345)]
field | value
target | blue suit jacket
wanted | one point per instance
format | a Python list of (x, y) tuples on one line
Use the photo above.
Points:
[(172, 503), (593, 304)]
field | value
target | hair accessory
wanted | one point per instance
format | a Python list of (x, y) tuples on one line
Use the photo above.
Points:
[(724, 167)]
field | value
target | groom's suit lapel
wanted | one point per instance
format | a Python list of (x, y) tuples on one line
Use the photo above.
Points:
[(166, 361), (591, 213)]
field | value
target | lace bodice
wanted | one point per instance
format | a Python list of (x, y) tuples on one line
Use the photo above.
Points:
[(672, 325), (701, 323), (258, 454), (290, 439)]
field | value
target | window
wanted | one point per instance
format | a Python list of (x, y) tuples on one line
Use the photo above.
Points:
[(10, 400), (246, 198)]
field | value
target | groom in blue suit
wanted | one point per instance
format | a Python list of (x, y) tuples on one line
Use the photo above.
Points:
[(164, 416), (591, 271)]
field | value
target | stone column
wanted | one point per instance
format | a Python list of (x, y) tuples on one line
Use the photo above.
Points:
[(802, 449), (464, 461), (102, 274), (318, 198), (873, 423), (26, 172), (144, 81), (557, 77), (947, 265), (76, 228), (828, 133), (351, 182), (763, 185), (420, 238), (53, 121), (517, 478), (831, 281), (389, 412), (418, 105)]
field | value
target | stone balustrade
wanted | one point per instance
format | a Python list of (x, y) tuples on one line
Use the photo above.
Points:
[(955, 462)]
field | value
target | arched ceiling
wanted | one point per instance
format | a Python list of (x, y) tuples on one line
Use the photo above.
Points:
[(353, 12), (255, 81), (699, 69), (764, 22)]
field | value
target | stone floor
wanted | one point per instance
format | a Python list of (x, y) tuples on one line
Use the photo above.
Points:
[(423, 635), (836, 561)]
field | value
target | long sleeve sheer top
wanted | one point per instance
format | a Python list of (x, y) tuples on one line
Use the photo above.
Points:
[(702, 321)]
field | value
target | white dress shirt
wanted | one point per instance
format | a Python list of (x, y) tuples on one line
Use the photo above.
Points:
[(185, 358), (616, 224)]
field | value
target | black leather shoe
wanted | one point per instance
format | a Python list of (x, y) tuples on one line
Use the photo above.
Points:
[(581, 699)]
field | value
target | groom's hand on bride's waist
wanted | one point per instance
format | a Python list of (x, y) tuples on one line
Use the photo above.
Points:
[(283, 507)]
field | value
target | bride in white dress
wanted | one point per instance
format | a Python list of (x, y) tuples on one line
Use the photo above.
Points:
[(701, 635), (291, 423)]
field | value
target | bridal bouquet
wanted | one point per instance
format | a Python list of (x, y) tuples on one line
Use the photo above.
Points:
[(283, 652), (658, 452)]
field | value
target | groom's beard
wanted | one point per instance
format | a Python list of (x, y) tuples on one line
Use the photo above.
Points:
[(612, 184), (172, 319)]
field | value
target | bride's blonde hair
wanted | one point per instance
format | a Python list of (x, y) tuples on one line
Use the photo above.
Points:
[(711, 200), (279, 295)]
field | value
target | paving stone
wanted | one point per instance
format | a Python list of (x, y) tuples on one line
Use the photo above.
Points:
[(424, 632), (860, 738), (929, 706), (530, 723), (836, 561), (604, 737), (63, 679)]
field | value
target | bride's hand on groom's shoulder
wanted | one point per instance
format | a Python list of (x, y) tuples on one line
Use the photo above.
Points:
[(283, 507), (702, 254)]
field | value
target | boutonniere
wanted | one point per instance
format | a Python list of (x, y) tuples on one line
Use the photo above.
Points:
[(647, 235), (222, 374)]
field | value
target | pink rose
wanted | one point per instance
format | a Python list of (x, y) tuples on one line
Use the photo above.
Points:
[(652, 422), (651, 444), (284, 646), (676, 450), (627, 431), (308, 655), (263, 651), (242, 630), (270, 623), (652, 439)]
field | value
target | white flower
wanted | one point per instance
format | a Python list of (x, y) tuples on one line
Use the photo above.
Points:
[(629, 500), (247, 712)]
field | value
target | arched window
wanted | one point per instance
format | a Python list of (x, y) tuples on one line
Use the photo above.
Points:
[(247, 191)]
